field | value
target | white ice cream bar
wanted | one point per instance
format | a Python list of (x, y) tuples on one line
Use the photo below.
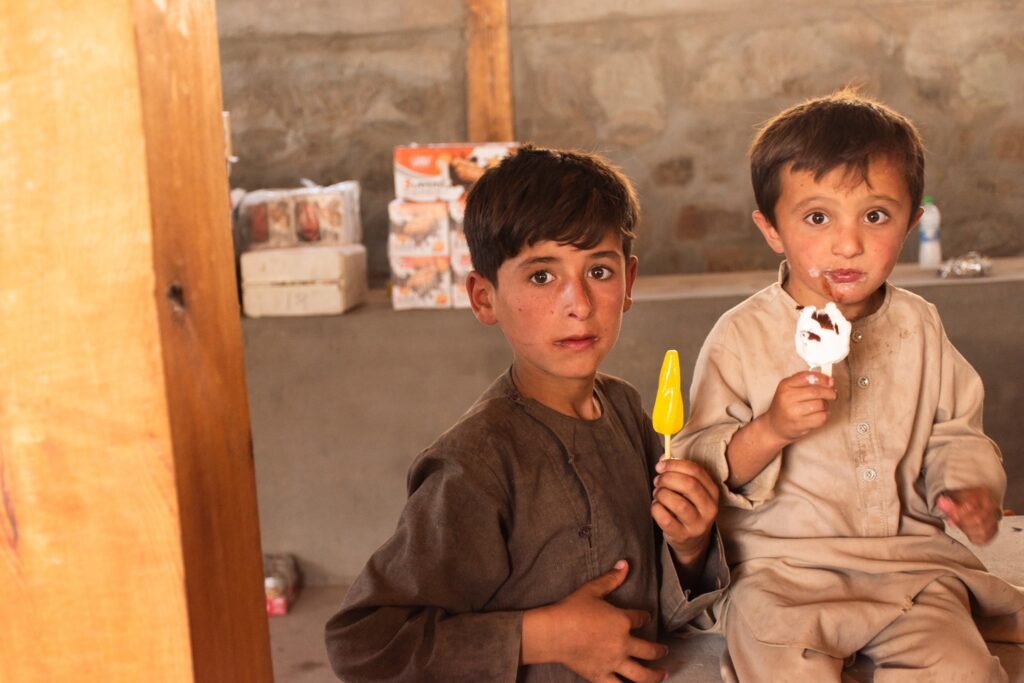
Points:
[(822, 337)]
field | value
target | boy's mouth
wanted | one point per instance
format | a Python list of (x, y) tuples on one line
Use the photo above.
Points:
[(577, 343), (844, 276)]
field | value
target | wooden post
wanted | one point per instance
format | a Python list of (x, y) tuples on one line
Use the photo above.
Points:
[(489, 106), (129, 545)]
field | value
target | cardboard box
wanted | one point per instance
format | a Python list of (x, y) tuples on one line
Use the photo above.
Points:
[(421, 282), (462, 265), (323, 280), (425, 173), (418, 228)]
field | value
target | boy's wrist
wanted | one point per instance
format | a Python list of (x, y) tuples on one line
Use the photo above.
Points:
[(537, 644), (768, 435), (690, 561), (691, 552), (751, 448)]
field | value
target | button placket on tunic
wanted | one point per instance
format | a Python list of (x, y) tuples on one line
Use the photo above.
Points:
[(871, 466)]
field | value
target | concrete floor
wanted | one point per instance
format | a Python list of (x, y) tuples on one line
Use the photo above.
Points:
[(299, 656)]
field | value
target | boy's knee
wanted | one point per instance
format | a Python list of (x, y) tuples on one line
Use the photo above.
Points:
[(951, 665)]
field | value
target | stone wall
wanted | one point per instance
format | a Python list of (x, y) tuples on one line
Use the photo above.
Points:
[(671, 90)]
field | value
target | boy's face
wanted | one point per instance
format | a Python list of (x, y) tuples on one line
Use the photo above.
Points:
[(559, 307), (841, 236)]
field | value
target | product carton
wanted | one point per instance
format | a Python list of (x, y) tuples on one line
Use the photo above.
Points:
[(418, 228), (280, 582), (421, 282), (425, 173)]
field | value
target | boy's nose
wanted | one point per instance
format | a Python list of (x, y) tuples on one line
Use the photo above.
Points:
[(848, 242), (576, 298)]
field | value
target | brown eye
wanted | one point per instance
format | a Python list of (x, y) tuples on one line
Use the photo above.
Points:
[(816, 218), (541, 277), (876, 216)]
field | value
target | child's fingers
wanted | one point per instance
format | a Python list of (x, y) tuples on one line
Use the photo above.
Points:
[(808, 377), (812, 393), (645, 649), (634, 671), (607, 582), (949, 508), (637, 618), (690, 469), (681, 511), (673, 489), (669, 523)]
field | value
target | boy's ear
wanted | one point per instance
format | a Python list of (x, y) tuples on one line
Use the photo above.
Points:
[(771, 235), (481, 297), (914, 218), (631, 268)]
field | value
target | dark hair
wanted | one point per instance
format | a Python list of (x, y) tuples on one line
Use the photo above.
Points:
[(844, 129), (539, 194)]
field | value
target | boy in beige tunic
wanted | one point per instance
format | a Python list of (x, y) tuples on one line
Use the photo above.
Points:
[(834, 489), (527, 550)]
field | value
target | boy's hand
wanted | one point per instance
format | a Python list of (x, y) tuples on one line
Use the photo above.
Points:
[(973, 511), (685, 507), (590, 636), (800, 405)]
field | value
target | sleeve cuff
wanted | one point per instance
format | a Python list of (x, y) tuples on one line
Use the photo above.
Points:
[(681, 605), (708, 450)]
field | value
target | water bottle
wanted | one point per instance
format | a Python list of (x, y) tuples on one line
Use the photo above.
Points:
[(929, 253)]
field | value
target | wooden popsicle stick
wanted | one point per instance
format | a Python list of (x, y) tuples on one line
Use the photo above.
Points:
[(668, 447), (826, 369)]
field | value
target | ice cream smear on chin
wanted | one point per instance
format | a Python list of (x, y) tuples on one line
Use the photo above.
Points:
[(822, 337)]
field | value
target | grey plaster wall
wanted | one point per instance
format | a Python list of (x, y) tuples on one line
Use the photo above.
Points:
[(669, 89)]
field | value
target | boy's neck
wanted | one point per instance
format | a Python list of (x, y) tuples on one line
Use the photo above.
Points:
[(572, 397)]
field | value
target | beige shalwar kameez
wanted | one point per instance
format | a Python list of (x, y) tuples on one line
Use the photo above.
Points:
[(839, 535)]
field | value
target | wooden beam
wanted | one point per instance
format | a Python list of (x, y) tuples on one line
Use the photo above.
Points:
[(489, 94), (129, 545)]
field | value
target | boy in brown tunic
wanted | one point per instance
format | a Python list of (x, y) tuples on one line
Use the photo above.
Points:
[(527, 550), (834, 490)]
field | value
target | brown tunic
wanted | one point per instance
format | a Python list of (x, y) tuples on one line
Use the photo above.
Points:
[(514, 507), (836, 536)]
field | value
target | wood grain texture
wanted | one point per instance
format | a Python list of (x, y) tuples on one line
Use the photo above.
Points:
[(489, 92), (200, 332), (128, 536)]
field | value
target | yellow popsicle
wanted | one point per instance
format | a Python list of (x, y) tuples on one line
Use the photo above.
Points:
[(668, 406)]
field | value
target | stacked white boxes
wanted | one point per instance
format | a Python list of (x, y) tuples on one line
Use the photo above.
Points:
[(426, 247), (304, 255)]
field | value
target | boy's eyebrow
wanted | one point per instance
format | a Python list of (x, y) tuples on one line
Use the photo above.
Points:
[(816, 199), (535, 261), (538, 260)]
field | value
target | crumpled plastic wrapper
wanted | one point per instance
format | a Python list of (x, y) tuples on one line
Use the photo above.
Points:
[(971, 264)]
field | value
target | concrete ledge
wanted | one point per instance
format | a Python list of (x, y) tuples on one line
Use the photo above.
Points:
[(341, 405), (745, 283)]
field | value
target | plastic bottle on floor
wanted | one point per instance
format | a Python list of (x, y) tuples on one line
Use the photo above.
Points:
[(929, 253)]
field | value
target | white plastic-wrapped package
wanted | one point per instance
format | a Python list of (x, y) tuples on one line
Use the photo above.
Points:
[(272, 219)]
